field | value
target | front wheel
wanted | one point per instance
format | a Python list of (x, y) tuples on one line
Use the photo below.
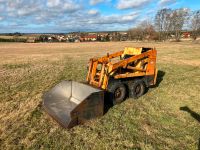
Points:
[(117, 92), (137, 88)]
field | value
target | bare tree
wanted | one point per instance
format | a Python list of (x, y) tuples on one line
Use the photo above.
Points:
[(177, 20), (163, 23), (169, 21), (116, 36), (148, 29), (195, 24), (144, 30), (136, 33)]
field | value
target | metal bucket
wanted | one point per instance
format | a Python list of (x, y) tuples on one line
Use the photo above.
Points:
[(71, 103)]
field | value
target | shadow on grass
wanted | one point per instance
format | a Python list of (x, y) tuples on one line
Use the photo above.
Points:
[(107, 102), (192, 113), (199, 145), (160, 77)]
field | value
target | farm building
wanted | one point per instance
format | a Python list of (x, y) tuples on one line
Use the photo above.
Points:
[(88, 38), (186, 35)]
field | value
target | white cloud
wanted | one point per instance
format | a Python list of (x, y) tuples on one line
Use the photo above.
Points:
[(12, 6), (93, 12), (71, 7), (63, 5), (27, 11), (22, 7), (53, 3), (94, 2), (1, 18), (99, 23), (127, 4), (166, 2), (2, 7), (59, 16), (114, 19)]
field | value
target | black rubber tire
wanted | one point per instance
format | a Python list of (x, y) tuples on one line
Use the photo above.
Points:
[(117, 92), (137, 88)]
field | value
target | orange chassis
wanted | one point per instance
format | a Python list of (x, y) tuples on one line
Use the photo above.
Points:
[(101, 69)]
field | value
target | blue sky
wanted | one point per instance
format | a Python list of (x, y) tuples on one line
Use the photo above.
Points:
[(43, 16)]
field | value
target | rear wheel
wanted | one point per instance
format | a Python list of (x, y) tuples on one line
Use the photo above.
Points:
[(117, 92), (137, 88)]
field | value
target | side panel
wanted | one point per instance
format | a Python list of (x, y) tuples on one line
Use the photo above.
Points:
[(151, 67)]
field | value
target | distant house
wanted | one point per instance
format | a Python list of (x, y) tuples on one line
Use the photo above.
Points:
[(186, 35), (61, 38), (88, 38)]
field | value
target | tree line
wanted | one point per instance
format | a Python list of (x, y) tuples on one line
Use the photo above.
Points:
[(168, 24)]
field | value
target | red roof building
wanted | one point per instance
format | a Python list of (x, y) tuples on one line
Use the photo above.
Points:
[(88, 38)]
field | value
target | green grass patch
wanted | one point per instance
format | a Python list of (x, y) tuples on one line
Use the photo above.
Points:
[(16, 66), (154, 121)]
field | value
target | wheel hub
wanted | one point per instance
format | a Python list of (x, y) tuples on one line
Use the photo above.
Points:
[(118, 93), (137, 89)]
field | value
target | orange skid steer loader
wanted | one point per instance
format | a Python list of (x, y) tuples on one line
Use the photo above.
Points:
[(123, 74)]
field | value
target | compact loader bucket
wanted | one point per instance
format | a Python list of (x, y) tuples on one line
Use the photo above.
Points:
[(71, 103)]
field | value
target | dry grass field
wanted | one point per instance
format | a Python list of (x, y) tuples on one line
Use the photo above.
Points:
[(12, 37), (167, 117)]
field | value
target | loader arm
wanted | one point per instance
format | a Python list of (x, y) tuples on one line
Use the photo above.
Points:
[(124, 63), (107, 58), (103, 76), (100, 78), (150, 70)]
